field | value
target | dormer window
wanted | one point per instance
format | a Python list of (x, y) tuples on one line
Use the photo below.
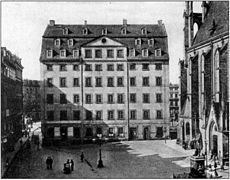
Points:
[(132, 52), (66, 31), (85, 31), (63, 53), (57, 42), (70, 42), (124, 31), (104, 31), (145, 52), (143, 31), (138, 41), (151, 42), (76, 53), (49, 53), (158, 52)]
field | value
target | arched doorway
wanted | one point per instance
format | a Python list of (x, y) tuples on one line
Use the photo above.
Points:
[(213, 138), (146, 133)]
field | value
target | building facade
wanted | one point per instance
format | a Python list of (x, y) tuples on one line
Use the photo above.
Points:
[(31, 99), (110, 80), (11, 99), (204, 95)]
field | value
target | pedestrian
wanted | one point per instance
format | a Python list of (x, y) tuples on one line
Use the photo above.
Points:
[(72, 164), (82, 157), (48, 162), (51, 163)]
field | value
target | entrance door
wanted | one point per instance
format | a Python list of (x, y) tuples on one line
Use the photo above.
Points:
[(63, 133), (159, 132), (146, 133), (132, 133), (215, 150)]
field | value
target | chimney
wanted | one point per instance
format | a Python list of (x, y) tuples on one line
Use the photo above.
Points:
[(52, 22), (85, 22), (160, 22), (124, 22)]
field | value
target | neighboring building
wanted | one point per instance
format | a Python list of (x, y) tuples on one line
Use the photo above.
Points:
[(173, 109), (11, 99), (31, 99), (204, 95), (104, 79)]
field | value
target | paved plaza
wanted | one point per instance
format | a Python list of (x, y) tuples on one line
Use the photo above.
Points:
[(128, 159)]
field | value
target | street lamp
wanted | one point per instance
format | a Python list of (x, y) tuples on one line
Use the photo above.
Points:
[(99, 141)]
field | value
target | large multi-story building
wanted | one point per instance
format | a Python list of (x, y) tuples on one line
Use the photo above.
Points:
[(204, 79), (111, 80), (11, 99), (31, 99)]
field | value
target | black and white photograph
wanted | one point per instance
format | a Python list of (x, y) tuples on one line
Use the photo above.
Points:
[(114, 89)]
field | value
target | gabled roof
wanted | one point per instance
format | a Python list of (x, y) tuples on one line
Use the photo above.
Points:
[(216, 21), (153, 30)]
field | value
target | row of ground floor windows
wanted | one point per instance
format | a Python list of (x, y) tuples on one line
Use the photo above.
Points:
[(76, 115)]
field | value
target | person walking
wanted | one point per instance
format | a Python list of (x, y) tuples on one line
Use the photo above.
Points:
[(51, 163), (82, 157), (48, 162), (72, 164)]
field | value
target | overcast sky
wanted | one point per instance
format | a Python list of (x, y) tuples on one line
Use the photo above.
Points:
[(23, 24)]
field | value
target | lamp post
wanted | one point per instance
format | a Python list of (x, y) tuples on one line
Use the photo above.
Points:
[(100, 162)]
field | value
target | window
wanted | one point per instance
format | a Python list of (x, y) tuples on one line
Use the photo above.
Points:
[(146, 98), (120, 98), (49, 53), (88, 67), (62, 67), (132, 98), (99, 115), (110, 99), (110, 82), (76, 98), (98, 98), (146, 114), (138, 41), (120, 114), (145, 67), (120, 131), (63, 115), (57, 42), (50, 82), (50, 115), (104, 31), (145, 81), (89, 115), (70, 42), (171, 103), (120, 82), (176, 103), (49, 67), (98, 67), (158, 52), (63, 53), (110, 67), (159, 114), (158, 66), (120, 67), (85, 31), (75, 53), (132, 81), (144, 31), (124, 31), (110, 115), (110, 53), (98, 53), (176, 95), (63, 99), (65, 31), (133, 114), (158, 81), (88, 82), (88, 53), (159, 97), (132, 52), (76, 115), (99, 131), (145, 52), (62, 82), (49, 98), (75, 67), (98, 82), (151, 42), (77, 132), (76, 82), (88, 98), (132, 66), (120, 53)]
